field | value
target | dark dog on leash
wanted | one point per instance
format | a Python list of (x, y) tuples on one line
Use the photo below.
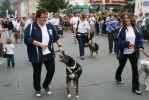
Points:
[(94, 48), (73, 72)]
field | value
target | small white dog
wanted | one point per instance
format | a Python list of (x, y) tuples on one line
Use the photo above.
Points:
[(144, 66)]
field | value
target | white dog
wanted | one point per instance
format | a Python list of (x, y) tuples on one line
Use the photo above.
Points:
[(144, 66)]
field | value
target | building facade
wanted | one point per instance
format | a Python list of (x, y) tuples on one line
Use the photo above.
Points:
[(24, 8)]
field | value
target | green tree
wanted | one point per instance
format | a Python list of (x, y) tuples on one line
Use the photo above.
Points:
[(6, 5), (130, 5), (52, 5)]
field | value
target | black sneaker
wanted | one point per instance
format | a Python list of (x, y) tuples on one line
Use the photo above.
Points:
[(47, 90), (38, 94), (138, 92)]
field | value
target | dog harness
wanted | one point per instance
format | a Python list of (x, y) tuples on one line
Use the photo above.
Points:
[(72, 75)]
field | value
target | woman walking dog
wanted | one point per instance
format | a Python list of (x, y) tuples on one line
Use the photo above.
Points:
[(82, 33), (39, 37), (129, 41)]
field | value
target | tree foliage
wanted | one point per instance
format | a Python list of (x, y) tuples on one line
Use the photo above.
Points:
[(6, 5), (52, 5)]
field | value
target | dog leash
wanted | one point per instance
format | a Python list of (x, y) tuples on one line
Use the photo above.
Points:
[(145, 54)]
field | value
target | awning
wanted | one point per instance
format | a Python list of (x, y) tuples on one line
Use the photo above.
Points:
[(118, 1), (113, 7), (80, 7)]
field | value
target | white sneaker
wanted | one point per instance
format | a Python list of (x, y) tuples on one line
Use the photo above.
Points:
[(47, 90), (112, 53), (38, 94), (1, 62)]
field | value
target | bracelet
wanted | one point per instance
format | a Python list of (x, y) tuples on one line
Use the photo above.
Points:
[(59, 45)]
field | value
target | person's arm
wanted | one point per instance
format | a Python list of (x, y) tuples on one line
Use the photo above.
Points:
[(75, 29), (59, 45), (40, 44), (88, 30)]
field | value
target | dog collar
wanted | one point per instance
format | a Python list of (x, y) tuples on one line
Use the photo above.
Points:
[(73, 66)]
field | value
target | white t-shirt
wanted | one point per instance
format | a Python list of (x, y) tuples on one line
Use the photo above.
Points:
[(55, 21), (45, 39), (9, 48), (14, 22), (74, 20), (130, 36), (92, 20), (28, 22), (143, 21), (83, 26)]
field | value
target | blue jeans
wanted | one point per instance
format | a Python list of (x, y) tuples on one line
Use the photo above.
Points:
[(9, 33), (82, 39), (10, 59)]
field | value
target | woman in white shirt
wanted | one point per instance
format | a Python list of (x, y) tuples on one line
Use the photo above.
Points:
[(129, 43), (82, 33)]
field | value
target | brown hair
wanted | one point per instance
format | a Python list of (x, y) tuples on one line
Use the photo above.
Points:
[(9, 41), (40, 12), (132, 20)]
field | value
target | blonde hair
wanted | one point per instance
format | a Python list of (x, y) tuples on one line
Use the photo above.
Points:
[(83, 15), (9, 41)]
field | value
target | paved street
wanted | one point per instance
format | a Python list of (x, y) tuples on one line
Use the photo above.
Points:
[(96, 83)]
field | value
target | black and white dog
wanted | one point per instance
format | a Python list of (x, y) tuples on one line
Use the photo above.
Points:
[(73, 72), (93, 47), (144, 66)]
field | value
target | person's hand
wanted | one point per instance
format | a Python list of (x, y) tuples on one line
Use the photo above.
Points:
[(61, 49), (43, 46), (141, 50), (89, 37), (74, 35), (6, 29), (112, 29), (131, 46)]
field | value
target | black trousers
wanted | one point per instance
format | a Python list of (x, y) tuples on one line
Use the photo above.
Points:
[(50, 67), (134, 65), (144, 32), (82, 39)]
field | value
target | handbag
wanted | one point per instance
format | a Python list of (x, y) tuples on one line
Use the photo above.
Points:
[(5, 55)]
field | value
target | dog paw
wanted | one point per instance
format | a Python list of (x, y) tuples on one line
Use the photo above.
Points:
[(77, 96), (69, 96)]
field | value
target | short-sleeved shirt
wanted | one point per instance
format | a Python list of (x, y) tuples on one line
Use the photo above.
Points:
[(83, 26)]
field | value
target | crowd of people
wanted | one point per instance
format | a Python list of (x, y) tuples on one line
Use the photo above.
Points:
[(125, 32)]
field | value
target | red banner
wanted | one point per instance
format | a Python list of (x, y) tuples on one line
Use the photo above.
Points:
[(95, 1), (107, 1)]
